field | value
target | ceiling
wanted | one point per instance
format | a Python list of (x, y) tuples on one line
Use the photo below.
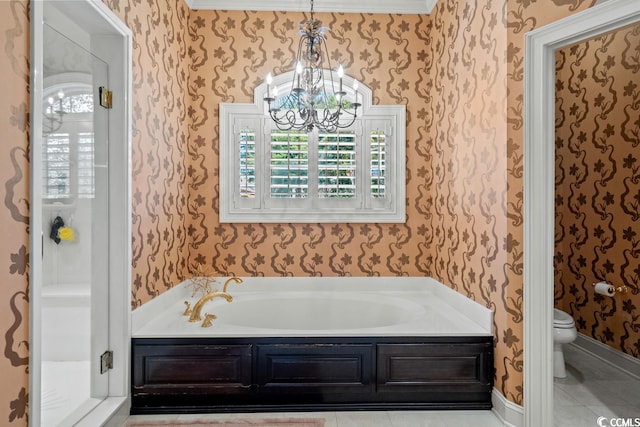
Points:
[(344, 6)]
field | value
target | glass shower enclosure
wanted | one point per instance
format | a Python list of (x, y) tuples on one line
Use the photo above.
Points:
[(75, 245)]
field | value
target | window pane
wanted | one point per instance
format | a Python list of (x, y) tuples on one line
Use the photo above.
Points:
[(247, 163), (78, 103), (85, 169), (68, 165), (289, 164), (337, 164), (378, 163), (56, 159)]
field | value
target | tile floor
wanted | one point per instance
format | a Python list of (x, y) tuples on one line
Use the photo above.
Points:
[(592, 389), (366, 419)]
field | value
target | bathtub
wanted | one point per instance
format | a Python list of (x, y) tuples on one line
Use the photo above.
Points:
[(314, 344), (319, 307)]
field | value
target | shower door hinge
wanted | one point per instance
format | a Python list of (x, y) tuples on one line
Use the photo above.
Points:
[(106, 361), (106, 97)]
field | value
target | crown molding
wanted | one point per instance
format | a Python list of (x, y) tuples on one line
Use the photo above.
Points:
[(337, 6)]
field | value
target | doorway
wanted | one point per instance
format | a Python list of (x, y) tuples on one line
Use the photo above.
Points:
[(80, 214), (539, 189)]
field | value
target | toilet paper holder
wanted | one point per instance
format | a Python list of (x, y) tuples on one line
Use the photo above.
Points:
[(620, 289)]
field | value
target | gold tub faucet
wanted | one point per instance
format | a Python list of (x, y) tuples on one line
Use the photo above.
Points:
[(229, 280), (197, 308)]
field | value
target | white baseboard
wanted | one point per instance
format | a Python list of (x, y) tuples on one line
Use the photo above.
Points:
[(613, 357), (511, 414)]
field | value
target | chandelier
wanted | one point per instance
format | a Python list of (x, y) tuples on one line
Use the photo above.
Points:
[(53, 114), (313, 101)]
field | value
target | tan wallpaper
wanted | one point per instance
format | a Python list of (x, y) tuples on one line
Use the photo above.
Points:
[(598, 186), (464, 130), (454, 87), (459, 72), (14, 213), (522, 16), (160, 162)]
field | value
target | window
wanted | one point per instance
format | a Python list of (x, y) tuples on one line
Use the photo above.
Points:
[(350, 175), (68, 145), (68, 165)]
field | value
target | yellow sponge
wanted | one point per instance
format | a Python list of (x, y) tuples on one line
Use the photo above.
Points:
[(66, 233)]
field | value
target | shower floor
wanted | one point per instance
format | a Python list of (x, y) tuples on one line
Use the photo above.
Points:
[(65, 392)]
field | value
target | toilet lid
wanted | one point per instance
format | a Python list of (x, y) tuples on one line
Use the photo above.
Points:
[(562, 319)]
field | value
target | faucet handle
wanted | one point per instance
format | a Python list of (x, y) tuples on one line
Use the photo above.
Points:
[(187, 311), (208, 317)]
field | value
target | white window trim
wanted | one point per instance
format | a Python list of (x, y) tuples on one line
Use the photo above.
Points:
[(234, 116)]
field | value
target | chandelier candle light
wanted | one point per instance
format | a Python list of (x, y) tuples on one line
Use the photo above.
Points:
[(312, 101), (53, 115)]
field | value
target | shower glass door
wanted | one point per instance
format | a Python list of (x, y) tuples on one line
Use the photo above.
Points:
[(75, 288)]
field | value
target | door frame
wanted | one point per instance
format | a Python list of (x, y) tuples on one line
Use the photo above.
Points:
[(539, 190), (113, 39)]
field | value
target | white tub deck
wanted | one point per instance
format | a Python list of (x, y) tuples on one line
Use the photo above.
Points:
[(319, 307)]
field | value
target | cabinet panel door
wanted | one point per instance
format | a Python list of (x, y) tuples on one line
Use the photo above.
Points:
[(200, 369), (437, 367), (314, 368)]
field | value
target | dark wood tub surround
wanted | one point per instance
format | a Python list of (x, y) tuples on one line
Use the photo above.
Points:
[(186, 375)]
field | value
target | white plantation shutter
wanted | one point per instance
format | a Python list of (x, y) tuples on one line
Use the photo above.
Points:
[(85, 165), (377, 163), (68, 164), (337, 164), (56, 160), (68, 151), (350, 175), (247, 163), (288, 164)]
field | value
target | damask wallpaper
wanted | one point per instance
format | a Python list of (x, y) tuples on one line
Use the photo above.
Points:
[(522, 16), (14, 214), (160, 161), (459, 71), (447, 69), (598, 186)]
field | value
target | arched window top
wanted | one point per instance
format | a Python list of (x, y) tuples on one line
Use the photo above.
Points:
[(70, 103), (68, 93)]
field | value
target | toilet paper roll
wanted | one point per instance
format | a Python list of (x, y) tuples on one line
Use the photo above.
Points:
[(603, 288)]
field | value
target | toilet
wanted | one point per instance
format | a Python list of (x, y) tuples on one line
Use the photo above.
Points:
[(564, 332)]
